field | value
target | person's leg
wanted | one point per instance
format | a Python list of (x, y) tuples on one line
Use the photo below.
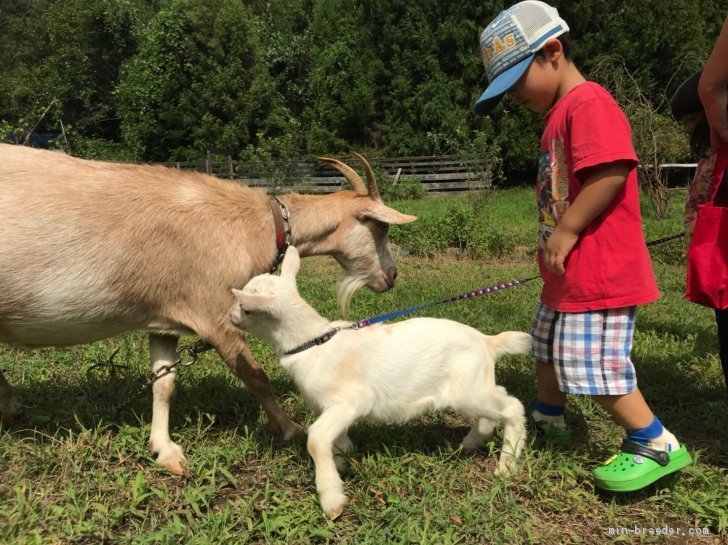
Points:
[(547, 412), (639, 422), (649, 451), (721, 319), (629, 410), (547, 385)]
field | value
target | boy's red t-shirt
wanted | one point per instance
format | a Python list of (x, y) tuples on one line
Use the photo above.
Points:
[(609, 267)]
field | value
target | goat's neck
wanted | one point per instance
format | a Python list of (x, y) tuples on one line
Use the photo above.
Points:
[(298, 326), (314, 219)]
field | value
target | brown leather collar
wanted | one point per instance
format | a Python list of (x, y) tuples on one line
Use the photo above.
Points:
[(283, 229)]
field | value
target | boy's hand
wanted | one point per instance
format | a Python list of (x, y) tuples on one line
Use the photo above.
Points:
[(601, 185), (558, 247)]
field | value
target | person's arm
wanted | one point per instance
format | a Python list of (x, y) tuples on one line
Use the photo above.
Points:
[(598, 190), (713, 89)]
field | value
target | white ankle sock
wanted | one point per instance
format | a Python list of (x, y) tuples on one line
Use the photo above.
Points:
[(665, 441), (555, 421)]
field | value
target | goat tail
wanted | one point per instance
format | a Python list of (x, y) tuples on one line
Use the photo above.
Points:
[(510, 342)]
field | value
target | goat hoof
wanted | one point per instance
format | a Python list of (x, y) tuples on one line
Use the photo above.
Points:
[(333, 505), (507, 470), (336, 513), (8, 410), (173, 460), (292, 432), (176, 467), (341, 463)]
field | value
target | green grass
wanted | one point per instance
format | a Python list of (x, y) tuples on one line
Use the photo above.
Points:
[(75, 470)]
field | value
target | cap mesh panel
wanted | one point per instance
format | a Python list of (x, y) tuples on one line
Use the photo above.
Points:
[(532, 18)]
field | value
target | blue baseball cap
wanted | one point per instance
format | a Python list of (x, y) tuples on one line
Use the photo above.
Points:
[(509, 44)]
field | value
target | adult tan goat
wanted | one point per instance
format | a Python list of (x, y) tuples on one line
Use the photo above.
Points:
[(91, 249)]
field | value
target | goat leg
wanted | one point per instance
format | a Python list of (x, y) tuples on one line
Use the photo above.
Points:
[(162, 349), (8, 403), (236, 354), (322, 435)]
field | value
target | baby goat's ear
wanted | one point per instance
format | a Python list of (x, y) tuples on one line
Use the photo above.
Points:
[(254, 303), (291, 264)]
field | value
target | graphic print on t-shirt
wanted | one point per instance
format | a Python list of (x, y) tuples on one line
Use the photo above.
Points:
[(552, 189)]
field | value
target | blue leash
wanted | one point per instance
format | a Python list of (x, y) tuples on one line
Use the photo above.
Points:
[(481, 291), (468, 295), (321, 339)]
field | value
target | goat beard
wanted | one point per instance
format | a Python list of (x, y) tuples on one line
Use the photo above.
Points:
[(347, 288)]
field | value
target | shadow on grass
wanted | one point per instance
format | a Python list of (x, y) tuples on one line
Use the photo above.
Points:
[(49, 407), (691, 407)]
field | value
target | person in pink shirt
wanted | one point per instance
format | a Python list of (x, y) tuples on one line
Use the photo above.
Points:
[(592, 254), (686, 105)]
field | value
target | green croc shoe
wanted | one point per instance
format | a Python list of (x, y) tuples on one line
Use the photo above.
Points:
[(549, 433), (637, 466)]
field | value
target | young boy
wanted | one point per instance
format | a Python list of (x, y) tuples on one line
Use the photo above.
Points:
[(592, 255)]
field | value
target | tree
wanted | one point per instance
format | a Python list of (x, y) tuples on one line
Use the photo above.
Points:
[(66, 54), (276, 79), (340, 92), (198, 81), (652, 36), (657, 138)]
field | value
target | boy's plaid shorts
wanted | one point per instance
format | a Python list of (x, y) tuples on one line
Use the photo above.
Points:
[(590, 349)]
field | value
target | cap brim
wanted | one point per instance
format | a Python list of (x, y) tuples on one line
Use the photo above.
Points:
[(500, 85)]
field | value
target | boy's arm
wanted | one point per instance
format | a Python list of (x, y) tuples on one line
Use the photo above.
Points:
[(598, 190)]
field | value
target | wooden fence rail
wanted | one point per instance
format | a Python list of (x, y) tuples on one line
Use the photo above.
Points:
[(445, 174), (436, 174)]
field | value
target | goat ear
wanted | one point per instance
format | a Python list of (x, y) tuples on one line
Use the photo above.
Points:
[(291, 264), (254, 303), (384, 213)]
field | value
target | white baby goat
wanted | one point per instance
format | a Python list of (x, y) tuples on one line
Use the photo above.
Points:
[(388, 373)]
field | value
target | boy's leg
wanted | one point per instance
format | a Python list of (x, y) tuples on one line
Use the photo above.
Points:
[(648, 453), (547, 412), (629, 410), (591, 355), (639, 422), (547, 385)]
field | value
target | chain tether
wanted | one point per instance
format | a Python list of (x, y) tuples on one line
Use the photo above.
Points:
[(186, 356)]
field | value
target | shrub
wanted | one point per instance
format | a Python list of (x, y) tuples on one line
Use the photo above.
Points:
[(403, 189), (432, 234)]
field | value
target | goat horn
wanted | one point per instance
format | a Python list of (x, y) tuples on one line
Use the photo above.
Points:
[(349, 173), (371, 179)]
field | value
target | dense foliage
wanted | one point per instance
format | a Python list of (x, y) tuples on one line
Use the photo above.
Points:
[(169, 79)]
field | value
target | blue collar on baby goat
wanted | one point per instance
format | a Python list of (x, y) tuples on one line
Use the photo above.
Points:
[(321, 339)]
